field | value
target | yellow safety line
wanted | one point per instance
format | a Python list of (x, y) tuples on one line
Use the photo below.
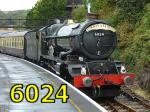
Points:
[(75, 106), (71, 101)]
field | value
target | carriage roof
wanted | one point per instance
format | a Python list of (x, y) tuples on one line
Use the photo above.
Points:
[(13, 34)]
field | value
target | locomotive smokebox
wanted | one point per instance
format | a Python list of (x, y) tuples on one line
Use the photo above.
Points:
[(98, 40)]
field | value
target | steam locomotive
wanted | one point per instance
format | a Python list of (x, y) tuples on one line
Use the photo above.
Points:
[(79, 53)]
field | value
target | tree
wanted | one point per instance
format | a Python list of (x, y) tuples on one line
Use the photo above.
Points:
[(48, 9), (131, 10)]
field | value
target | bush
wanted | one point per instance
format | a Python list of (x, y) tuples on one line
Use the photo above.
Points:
[(48, 9), (139, 50), (130, 10), (79, 14)]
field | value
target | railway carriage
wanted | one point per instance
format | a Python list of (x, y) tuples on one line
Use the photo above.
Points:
[(13, 43)]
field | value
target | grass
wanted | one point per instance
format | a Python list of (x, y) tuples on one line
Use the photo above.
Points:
[(143, 93)]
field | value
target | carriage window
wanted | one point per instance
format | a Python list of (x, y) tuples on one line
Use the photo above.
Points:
[(17, 42), (13, 43), (9, 42), (0, 41), (22, 42), (3, 43), (6, 42)]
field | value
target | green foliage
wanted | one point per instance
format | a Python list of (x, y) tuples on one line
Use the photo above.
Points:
[(112, 19), (97, 5), (46, 9), (20, 14), (2, 15), (111, 16), (138, 54), (79, 13), (131, 10)]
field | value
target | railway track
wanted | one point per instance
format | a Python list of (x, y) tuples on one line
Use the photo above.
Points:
[(126, 102), (128, 92)]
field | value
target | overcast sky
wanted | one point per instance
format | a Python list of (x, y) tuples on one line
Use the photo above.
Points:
[(10, 5)]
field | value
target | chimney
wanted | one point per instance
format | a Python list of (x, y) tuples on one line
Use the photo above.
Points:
[(92, 15)]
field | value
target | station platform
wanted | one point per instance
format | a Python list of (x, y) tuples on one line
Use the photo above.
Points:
[(18, 71)]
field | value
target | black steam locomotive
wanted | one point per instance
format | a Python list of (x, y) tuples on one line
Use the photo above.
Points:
[(79, 53)]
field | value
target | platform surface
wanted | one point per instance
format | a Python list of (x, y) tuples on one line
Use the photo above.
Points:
[(14, 70)]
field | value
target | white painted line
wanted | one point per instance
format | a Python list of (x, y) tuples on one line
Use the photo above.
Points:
[(71, 86)]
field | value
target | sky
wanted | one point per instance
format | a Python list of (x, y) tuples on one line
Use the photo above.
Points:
[(11, 5)]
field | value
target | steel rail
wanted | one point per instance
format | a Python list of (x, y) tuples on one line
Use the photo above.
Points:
[(127, 91)]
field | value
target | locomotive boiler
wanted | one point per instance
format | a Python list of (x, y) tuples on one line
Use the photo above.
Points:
[(93, 40)]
